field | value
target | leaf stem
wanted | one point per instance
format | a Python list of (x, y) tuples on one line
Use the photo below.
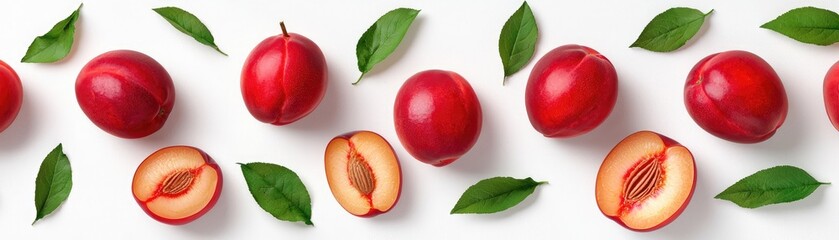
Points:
[(282, 26), (358, 80), (217, 49)]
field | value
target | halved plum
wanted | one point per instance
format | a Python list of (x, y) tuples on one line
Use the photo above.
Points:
[(363, 173), (646, 181), (176, 185)]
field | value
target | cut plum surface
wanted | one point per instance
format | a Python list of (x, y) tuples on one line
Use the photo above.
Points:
[(363, 173), (176, 185), (646, 181)]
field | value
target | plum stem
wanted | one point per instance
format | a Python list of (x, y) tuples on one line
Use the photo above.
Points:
[(282, 26)]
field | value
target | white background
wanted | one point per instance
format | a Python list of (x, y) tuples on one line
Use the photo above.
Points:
[(455, 35)]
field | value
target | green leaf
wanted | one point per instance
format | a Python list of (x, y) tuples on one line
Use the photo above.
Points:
[(671, 29), (382, 38), (55, 44), (495, 195), (53, 184), (189, 24), (808, 25), (278, 191), (779, 184), (518, 40)]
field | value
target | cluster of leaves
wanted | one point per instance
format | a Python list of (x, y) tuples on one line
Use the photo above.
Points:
[(671, 29), (56, 44)]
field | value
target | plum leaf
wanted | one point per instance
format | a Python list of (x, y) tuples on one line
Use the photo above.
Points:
[(808, 25), (55, 44), (494, 195), (517, 42), (278, 191), (189, 24), (382, 38), (53, 183), (671, 29), (774, 185)]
